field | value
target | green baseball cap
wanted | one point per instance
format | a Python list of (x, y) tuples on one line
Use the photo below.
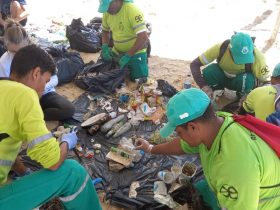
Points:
[(242, 48), (185, 106), (276, 71), (104, 5)]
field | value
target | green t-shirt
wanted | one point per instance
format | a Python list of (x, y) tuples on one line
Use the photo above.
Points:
[(240, 168), (23, 120), (259, 67), (125, 25), (261, 102)]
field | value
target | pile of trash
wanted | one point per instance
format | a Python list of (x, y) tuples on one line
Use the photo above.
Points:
[(109, 125)]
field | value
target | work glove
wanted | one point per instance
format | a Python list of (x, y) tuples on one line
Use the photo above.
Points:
[(70, 138), (106, 53), (142, 144), (208, 90), (124, 61)]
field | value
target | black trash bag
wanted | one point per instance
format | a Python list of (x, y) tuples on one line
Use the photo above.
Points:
[(99, 66), (96, 24), (105, 82), (69, 64), (82, 38), (166, 88), (2, 48), (100, 77)]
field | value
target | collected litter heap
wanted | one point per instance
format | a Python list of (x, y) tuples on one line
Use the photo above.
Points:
[(114, 122)]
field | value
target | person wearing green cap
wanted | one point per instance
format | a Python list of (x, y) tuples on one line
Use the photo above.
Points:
[(239, 63), (261, 101), (128, 27), (240, 168)]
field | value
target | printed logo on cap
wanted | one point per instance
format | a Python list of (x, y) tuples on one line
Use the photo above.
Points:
[(245, 50), (183, 116)]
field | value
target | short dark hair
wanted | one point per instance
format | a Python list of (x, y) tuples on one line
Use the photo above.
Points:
[(30, 57), (209, 114)]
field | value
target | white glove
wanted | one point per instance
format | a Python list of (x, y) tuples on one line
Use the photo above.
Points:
[(142, 144)]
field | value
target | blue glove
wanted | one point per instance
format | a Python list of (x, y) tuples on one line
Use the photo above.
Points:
[(71, 139), (124, 61)]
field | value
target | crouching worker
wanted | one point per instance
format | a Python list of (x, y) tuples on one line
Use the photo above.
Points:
[(22, 121), (128, 27), (241, 169), (238, 64)]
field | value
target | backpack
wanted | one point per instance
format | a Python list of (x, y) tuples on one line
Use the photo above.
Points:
[(223, 48), (267, 132), (274, 118)]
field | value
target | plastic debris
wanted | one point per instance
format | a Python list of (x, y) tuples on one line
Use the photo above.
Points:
[(132, 189), (107, 126)]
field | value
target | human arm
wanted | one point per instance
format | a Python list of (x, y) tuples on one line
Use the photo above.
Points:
[(237, 185), (41, 146), (24, 14), (259, 67), (106, 52), (196, 72), (170, 148), (51, 84), (140, 43), (105, 37), (138, 25), (248, 103)]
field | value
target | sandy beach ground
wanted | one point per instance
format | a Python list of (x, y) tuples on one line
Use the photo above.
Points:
[(181, 30)]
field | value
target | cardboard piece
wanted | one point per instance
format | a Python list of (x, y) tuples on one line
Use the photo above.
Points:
[(119, 159)]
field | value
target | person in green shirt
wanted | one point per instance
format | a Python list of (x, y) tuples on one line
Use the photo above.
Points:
[(22, 122), (240, 168), (129, 33), (261, 101), (238, 64)]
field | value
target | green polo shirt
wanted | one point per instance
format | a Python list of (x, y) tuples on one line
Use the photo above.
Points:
[(259, 67), (23, 120), (125, 25), (261, 102), (240, 168)]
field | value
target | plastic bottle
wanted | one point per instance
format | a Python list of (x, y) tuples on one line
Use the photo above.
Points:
[(188, 83)]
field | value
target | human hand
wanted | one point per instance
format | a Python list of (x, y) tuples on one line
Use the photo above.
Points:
[(208, 90), (124, 60), (142, 144), (106, 53), (70, 138)]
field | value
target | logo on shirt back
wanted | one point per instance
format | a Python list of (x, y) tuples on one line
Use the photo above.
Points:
[(229, 192), (138, 18)]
